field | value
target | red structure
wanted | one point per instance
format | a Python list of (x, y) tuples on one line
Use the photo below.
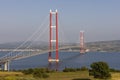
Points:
[(82, 47), (51, 38)]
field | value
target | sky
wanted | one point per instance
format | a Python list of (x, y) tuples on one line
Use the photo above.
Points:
[(99, 19)]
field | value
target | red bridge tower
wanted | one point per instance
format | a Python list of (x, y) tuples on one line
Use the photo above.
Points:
[(82, 46), (53, 38)]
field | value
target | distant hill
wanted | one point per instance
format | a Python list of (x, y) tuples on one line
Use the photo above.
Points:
[(111, 46)]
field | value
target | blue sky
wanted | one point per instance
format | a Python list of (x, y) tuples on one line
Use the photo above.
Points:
[(100, 19)]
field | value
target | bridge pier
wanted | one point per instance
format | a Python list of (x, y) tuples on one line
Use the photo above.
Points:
[(0, 67), (6, 66)]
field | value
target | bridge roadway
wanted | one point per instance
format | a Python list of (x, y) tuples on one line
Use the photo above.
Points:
[(22, 55), (19, 50)]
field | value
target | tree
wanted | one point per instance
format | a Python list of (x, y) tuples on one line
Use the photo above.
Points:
[(100, 70)]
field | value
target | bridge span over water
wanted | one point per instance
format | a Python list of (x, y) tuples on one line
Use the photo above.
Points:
[(5, 60), (53, 41)]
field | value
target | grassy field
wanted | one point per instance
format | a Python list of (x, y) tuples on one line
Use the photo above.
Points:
[(115, 76), (81, 75)]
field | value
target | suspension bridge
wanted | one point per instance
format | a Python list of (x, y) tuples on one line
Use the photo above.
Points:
[(53, 44)]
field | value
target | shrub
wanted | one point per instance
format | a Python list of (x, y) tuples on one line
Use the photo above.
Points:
[(44, 75), (114, 70), (29, 71), (100, 70), (75, 69), (38, 74), (84, 68)]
